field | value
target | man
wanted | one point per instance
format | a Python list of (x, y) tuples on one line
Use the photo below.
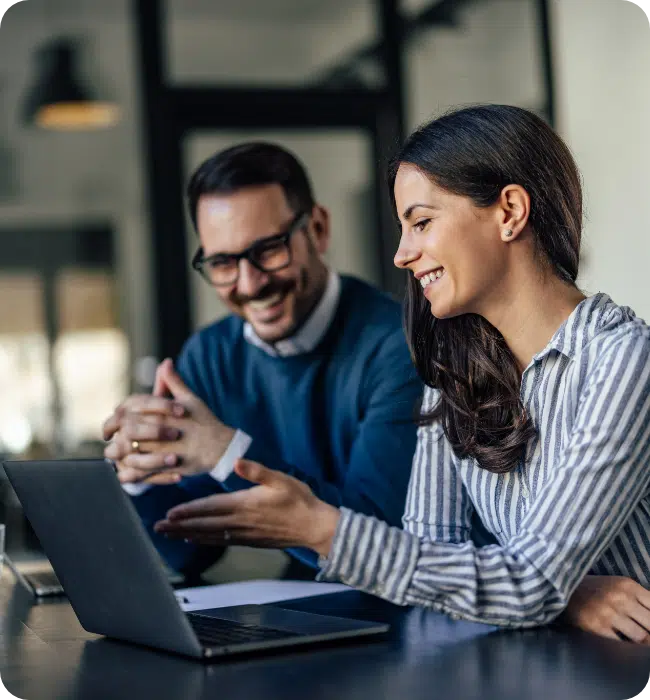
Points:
[(309, 375)]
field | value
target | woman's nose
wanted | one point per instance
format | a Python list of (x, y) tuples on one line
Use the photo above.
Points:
[(406, 254)]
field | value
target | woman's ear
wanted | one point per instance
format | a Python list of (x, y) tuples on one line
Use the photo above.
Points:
[(514, 210)]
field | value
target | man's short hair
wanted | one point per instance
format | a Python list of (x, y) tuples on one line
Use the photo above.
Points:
[(248, 165)]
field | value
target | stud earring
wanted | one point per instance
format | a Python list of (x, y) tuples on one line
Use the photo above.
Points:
[(508, 233)]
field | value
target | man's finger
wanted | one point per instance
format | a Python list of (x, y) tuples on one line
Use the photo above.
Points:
[(172, 381), (144, 403), (148, 431), (219, 504), (110, 427), (127, 475), (121, 446), (116, 449), (148, 462), (160, 387)]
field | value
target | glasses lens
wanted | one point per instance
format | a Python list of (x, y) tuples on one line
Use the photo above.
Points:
[(220, 271), (272, 256)]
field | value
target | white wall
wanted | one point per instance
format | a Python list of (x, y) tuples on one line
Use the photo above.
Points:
[(603, 63), (493, 55)]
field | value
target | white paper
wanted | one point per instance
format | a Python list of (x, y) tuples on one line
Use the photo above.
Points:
[(252, 592)]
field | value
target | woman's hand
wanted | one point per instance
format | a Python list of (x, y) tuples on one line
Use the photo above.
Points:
[(611, 606), (279, 512)]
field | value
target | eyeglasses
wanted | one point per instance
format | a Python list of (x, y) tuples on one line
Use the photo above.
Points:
[(267, 255)]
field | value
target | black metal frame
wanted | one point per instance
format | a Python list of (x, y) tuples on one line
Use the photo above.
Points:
[(547, 60), (171, 113)]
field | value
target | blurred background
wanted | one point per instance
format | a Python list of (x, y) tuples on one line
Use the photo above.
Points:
[(95, 285)]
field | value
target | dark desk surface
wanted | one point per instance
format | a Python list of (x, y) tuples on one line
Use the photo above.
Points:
[(46, 655)]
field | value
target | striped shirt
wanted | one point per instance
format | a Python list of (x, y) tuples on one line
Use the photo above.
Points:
[(578, 503)]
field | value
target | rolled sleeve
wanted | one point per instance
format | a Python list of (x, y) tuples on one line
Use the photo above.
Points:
[(390, 556)]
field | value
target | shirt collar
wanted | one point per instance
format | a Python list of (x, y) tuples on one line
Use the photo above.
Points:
[(311, 332), (582, 325)]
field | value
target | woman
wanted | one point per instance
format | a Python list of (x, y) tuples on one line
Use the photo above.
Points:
[(536, 416)]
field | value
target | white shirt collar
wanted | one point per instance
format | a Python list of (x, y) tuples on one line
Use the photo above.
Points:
[(311, 332)]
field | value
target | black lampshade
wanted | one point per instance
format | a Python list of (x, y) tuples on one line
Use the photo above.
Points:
[(58, 100)]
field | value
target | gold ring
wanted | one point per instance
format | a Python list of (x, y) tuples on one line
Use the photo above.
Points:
[(135, 446)]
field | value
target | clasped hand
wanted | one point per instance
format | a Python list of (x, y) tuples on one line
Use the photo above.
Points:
[(159, 440)]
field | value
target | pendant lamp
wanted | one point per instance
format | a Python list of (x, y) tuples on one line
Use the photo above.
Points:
[(58, 100)]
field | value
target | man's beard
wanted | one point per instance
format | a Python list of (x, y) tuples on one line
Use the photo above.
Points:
[(304, 302), (273, 287)]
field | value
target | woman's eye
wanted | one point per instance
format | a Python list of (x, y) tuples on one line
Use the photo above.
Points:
[(421, 225)]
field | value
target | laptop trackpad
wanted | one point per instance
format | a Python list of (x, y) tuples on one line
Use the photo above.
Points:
[(289, 620)]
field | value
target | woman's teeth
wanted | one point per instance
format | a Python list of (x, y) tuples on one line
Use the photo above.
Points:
[(267, 302), (432, 276)]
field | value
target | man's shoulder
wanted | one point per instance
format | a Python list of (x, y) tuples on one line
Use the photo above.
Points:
[(369, 323), (369, 305), (222, 334)]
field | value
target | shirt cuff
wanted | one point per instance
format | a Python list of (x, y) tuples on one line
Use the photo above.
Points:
[(136, 489), (236, 450), (372, 556)]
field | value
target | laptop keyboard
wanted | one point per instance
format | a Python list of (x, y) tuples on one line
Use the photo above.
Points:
[(217, 632)]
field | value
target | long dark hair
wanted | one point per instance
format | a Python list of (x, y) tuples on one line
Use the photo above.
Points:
[(475, 152)]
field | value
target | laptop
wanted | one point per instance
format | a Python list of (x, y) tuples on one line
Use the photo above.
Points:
[(115, 581)]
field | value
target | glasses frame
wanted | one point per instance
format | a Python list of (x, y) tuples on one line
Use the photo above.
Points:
[(298, 223)]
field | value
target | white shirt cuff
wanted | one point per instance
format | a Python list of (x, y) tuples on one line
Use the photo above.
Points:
[(221, 471), (236, 450), (136, 489)]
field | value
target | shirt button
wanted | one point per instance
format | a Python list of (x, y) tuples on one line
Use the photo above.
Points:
[(524, 491)]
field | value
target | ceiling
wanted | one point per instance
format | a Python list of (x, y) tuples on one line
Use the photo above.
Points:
[(274, 11)]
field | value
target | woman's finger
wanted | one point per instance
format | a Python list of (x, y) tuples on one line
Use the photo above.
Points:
[(631, 629), (209, 525), (640, 614), (643, 596), (217, 505)]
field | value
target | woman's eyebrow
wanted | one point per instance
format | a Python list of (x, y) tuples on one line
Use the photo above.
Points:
[(409, 211)]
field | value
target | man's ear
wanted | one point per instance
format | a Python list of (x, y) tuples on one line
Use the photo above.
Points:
[(320, 226)]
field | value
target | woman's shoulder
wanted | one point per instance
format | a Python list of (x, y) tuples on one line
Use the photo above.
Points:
[(614, 324), (618, 337)]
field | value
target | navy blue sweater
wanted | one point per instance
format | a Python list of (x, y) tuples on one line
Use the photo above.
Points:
[(340, 417)]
